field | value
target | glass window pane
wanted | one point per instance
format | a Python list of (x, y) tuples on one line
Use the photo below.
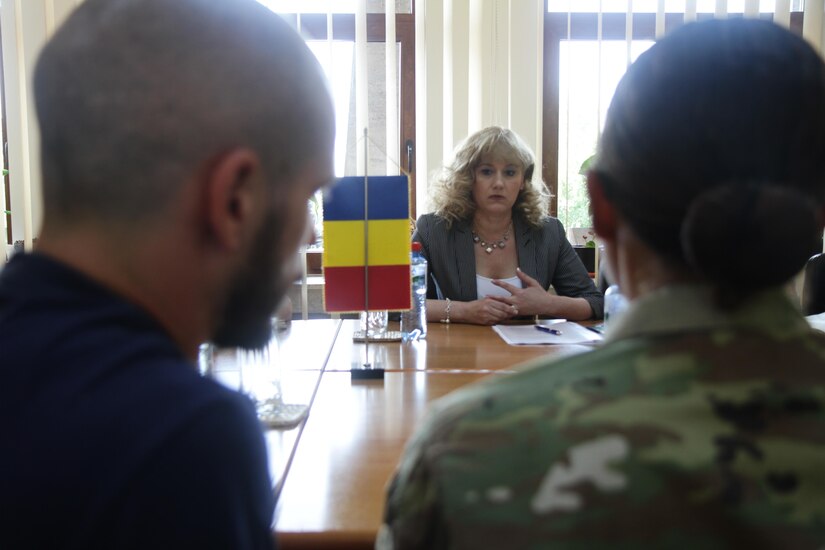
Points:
[(583, 87), (338, 61), (377, 126)]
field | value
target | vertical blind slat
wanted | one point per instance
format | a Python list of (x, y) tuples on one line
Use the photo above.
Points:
[(460, 70), (391, 87), (361, 93), (599, 45), (566, 163), (690, 11), (501, 65), (25, 176), (812, 23), (491, 55), (50, 18), (448, 74), (30, 24), (474, 77), (660, 19), (782, 13), (539, 70), (628, 32), (422, 110)]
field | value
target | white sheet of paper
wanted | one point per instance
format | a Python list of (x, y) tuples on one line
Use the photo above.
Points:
[(525, 335), (817, 321)]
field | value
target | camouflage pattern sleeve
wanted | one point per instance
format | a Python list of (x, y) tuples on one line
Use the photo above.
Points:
[(412, 516)]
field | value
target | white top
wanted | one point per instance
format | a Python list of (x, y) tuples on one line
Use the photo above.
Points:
[(486, 287)]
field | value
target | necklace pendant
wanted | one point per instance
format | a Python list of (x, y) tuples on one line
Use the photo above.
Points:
[(488, 248)]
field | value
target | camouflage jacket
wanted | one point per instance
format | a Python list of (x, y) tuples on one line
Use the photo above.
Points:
[(689, 428)]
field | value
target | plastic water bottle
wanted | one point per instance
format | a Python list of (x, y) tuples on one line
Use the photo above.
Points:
[(416, 318), (614, 304)]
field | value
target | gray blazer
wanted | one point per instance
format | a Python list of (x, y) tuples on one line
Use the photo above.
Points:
[(544, 254)]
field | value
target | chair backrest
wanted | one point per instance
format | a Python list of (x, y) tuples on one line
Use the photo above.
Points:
[(813, 288), (602, 280)]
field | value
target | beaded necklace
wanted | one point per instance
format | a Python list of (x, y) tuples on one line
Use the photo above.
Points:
[(493, 245)]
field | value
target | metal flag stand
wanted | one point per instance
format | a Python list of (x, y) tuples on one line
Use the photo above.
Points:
[(366, 371)]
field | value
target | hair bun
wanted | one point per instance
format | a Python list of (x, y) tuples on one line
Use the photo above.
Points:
[(749, 236)]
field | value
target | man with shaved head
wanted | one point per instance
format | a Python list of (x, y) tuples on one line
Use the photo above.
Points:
[(181, 140)]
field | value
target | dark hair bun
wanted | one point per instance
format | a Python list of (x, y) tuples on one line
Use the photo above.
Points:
[(751, 236)]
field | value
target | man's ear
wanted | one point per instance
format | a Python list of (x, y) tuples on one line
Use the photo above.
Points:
[(604, 214), (232, 196)]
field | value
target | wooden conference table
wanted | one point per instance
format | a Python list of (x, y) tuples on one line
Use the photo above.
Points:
[(330, 472)]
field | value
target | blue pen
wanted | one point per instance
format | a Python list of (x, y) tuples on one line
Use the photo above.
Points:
[(553, 331)]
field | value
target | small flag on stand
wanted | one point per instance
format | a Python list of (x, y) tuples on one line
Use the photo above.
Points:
[(389, 244)]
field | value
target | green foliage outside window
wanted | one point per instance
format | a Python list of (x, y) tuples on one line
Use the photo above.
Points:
[(574, 204)]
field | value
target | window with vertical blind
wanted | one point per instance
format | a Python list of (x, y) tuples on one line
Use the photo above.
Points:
[(373, 85), (379, 96), (588, 45), (546, 70)]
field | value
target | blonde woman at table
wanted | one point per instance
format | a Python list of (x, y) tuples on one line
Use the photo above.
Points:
[(700, 423), (492, 250)]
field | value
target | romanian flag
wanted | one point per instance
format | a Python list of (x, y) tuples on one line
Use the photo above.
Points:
[(388, 228)]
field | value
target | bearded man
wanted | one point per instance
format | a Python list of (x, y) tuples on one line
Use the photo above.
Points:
[(181, 141)]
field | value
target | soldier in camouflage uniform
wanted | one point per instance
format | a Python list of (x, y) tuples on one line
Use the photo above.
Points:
[(701, 421)]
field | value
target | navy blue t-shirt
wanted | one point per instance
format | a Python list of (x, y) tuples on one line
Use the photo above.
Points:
[(109, 438)]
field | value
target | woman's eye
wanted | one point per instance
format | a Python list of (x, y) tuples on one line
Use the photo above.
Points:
[(486, 171), (510, 173)]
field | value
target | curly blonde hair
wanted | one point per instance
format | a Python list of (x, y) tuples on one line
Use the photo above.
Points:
[(451, 191)]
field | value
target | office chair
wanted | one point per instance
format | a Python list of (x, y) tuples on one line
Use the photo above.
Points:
[(813, 287)]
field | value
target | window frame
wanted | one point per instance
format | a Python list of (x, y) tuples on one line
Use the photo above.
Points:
[(314, 27), (584, 26)]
